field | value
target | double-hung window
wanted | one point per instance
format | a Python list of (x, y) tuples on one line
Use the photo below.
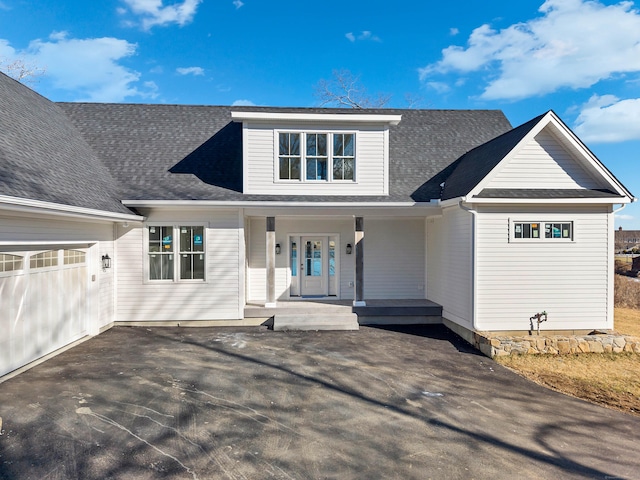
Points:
[(289, 156), (343, 156), (317, 156), (192, 253), (314, 156), (176, 252)]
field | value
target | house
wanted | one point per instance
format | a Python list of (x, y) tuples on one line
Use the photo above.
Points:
[(171, 214), (626, 240)]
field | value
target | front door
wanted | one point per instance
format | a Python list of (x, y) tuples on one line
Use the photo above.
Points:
[(313, 267)]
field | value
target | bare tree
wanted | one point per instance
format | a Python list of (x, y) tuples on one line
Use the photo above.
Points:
[(345, 90), (20, 70), (414, 100)]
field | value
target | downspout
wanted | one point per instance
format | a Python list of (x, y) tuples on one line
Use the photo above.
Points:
[(474, 260), (611, 273), (622, 207)]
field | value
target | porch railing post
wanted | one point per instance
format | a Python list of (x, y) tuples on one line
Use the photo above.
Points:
[(359, 273), (271, 263)]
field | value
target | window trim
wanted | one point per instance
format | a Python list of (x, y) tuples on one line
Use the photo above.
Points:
[(542, 238), (303, 156), (175, 226)]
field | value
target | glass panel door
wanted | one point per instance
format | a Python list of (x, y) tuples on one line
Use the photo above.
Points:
[(313, 269)]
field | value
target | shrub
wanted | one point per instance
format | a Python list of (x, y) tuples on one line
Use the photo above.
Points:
[(627, 292)]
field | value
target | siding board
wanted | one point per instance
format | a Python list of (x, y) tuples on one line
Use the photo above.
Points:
[(567, 280), (449, 264), (543, 163), (215, 299), (371, 176)]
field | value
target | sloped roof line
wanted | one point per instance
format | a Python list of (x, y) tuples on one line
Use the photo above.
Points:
[(45, 158), (473, 170), (477, 163)]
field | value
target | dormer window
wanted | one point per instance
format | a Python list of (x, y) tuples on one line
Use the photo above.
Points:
[(343, 156), (317, 156), (325, 157), (289, 156)]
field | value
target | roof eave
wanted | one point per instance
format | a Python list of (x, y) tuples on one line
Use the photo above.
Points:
[(371, 118), (17, 204), (551, 201), (266, 203)]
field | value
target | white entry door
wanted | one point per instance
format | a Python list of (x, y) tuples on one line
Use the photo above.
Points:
[(313, 269)]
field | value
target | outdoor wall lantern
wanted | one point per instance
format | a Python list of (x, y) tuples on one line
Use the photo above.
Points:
[(278, 250), (349, 249), (106, 261)]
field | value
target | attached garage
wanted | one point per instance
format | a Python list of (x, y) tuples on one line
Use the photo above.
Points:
[(44, 298)]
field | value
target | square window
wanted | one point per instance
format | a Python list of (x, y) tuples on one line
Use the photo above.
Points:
[(190, 264)]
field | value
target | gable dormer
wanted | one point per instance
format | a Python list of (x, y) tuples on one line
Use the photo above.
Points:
[(331, 154), (542, 161)]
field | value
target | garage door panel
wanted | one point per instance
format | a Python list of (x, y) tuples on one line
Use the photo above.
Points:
[(45, 307)]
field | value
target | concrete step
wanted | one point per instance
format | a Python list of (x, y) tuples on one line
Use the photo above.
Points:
[(296, 321)]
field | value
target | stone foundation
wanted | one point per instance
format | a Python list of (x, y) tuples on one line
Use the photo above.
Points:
[(496, 345)]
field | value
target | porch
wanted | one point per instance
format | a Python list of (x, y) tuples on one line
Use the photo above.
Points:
[(334, 314)]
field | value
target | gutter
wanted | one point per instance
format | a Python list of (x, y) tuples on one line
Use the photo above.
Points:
[(16, 204), (265, 203)]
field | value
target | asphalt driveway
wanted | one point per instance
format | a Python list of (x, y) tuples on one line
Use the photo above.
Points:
[(208, 403)]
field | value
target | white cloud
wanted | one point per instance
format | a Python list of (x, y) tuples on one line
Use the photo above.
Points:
[(364, 35), (243, 103), (623, 216), (453, 31), (196, 71), (439, 87), (89, 68), (238, 3), (572, 44), (153, 12), (608, 119)]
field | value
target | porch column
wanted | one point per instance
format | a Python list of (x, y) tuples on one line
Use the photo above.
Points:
[(271, 263), (359, 274)]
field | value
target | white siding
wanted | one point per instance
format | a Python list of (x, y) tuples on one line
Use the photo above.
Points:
[(256, 260), (260, 163), (543, 163), (215, 299), (394, 255), (46, 309), (106, 308), (343, 228), (568, 280), (394, 258), (449, 264)]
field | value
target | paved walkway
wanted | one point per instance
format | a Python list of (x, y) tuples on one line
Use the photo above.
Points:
[(229, 403)]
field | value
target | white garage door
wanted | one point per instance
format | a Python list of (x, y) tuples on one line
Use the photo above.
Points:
[(43, 299)]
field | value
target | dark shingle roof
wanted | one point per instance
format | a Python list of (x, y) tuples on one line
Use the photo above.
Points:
[(470, 169), (542, 193), (44, 157), (180, 152)]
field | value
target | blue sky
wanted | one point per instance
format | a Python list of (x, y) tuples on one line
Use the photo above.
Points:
[(580, 58)]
